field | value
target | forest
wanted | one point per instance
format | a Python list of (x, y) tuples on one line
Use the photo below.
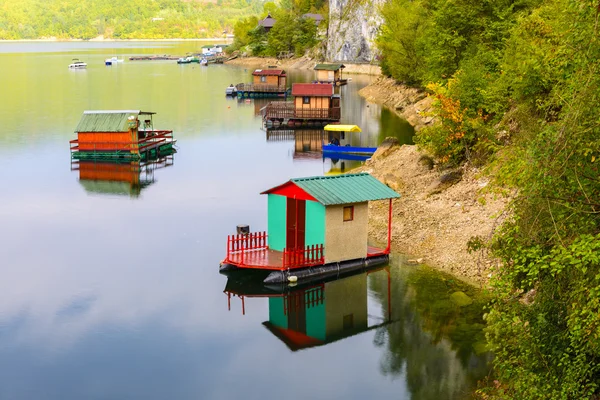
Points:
[(292, 34), (124, 19), (516, 85)]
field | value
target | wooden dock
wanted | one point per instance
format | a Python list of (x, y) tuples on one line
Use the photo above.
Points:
[(260, 90), (286, 113)]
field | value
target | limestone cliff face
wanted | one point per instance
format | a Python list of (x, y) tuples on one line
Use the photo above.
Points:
[(353, 26)]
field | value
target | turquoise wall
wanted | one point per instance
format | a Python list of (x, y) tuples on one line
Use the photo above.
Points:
[(276, 315), (315, 322), (315, 223), (276, 221)]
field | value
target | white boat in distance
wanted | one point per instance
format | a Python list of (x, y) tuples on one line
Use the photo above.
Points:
[(76, 64)]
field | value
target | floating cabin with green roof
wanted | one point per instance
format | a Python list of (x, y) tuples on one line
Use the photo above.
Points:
[(120, 135), (330, 73), (316, 227)]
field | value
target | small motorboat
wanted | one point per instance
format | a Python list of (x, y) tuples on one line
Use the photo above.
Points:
[(76, 64), (112, 60), (204, 62), (231, 90), (188, 60)]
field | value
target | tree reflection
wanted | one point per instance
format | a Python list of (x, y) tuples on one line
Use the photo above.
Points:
[(435, 343)]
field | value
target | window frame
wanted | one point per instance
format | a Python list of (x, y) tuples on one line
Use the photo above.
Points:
[(305, 99), (351, 218)]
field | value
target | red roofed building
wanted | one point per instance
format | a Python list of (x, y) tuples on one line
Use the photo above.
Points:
[(311, 89)]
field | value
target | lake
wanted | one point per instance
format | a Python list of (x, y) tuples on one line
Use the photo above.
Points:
[(110, 287)]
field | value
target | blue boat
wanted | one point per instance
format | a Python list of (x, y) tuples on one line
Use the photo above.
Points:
[(334, 147)]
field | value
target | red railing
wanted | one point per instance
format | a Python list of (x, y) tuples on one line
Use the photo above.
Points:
[(311, 255), (240, 244)]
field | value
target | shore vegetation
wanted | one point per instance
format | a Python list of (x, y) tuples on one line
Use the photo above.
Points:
[(126, 19), (516, 86), (293, 34)]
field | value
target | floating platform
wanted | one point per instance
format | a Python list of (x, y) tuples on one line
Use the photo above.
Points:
[(119, 134), (154, 58)]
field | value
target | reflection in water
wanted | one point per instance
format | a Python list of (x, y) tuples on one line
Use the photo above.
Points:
[(428, 340), (437, 344), (317, 314), (308, 145), (118, 178)]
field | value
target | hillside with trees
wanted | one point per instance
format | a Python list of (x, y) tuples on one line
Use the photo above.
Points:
[(516, 85), (292, 33), (124, 19)]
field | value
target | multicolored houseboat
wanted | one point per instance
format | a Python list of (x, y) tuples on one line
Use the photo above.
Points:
[(314, 104), (119, 134), (266, 83), (317, 226)]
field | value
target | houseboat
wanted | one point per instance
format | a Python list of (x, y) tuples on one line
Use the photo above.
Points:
[(266, 83), (121, 178), (314, 104), (330, 73), (321, 312), (317, 226), (119, 134)]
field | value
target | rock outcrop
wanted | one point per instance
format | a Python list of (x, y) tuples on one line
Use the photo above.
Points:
[(353, 26)]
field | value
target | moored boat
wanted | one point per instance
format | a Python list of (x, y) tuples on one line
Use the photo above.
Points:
[(76, 64), (341, 144), (188, 60), (231, 90)]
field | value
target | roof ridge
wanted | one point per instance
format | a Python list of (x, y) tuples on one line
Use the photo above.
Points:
[(317, 177)]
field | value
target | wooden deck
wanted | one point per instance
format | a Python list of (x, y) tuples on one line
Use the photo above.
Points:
[(285, 110), (272, 260), (260, 90)]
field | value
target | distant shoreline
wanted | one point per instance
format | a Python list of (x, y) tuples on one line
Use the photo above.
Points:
[(101, 39)]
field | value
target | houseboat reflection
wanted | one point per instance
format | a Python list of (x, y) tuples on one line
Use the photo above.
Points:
[(118, 178), (316, 314)]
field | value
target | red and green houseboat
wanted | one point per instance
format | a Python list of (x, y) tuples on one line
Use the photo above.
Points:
[(119, 135), (317, 226)]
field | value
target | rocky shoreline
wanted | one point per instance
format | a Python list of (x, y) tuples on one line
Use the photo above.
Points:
[(436, 217), (410, 103)]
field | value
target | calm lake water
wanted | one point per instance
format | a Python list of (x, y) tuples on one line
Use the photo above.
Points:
[(111, 290)]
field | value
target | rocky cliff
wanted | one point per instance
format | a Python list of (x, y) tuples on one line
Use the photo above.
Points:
[(353, 26)]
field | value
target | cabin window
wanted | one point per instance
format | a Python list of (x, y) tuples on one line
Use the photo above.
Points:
[(348, 321), (306, 100), (263, 78), (348, 213)]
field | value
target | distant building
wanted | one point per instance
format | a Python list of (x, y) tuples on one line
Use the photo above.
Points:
[(267, 23), (213, 48), (318, 18)]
